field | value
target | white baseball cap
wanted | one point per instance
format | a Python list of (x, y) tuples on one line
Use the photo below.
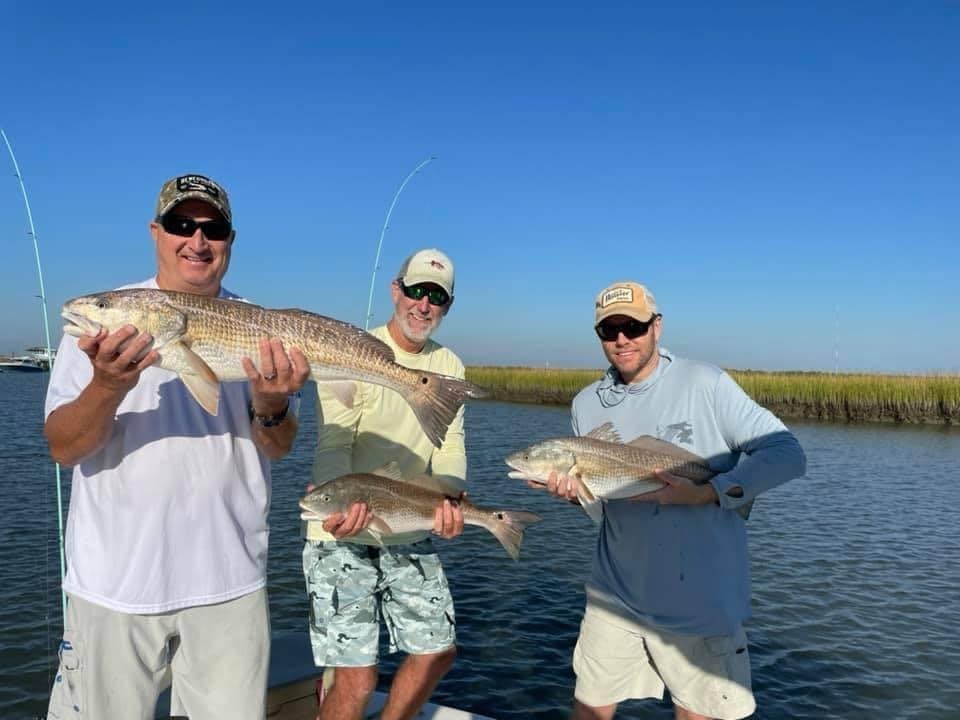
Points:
[(428, 266)]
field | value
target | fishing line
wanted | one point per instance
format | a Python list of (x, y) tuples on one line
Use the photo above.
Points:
[(50, 360), (383, 231)]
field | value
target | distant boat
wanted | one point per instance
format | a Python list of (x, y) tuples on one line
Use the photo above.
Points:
[(35, 359), (41, 355)]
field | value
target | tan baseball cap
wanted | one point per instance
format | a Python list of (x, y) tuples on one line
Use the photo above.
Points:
[(193, 187), (625, 298), (428, 266)]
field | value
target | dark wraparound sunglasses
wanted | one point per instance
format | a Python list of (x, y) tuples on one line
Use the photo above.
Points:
[(631, 329), (435, 295), (186, 227)]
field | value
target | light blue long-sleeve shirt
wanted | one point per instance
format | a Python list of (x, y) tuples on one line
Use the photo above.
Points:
[(685, 568)]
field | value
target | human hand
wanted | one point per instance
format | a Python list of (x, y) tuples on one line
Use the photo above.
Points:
[(118, 358), (448, 517), (562, 485), (279, 376), (344, 525), (678, 491)]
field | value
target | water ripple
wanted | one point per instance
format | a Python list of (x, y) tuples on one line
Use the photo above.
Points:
[(855, 573)]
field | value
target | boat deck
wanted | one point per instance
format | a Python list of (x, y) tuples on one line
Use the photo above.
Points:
[(292, 680), (298, 701)]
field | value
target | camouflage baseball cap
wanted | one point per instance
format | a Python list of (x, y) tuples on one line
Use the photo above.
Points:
[(193, 187)]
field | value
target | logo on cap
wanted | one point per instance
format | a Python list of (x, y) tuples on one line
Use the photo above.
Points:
[(437, 264), (616, 295), (191, 183)]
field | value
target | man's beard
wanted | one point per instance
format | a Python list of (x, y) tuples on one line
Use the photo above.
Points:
[(417, 336)]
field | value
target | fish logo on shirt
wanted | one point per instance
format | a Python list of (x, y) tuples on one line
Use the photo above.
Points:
[(679, 433)]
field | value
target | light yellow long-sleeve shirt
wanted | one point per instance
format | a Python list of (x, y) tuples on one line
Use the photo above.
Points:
[(380, 428)]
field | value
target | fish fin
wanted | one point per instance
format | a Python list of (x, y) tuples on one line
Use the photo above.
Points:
[(371, 344), (200, 380), (605, 432), (593, 509), (343, 390), (649, 442), (390, 471), (591, 505), (377, 528), (582, 490), (435, 400), (443, 484), (744, 510), (507, 526)]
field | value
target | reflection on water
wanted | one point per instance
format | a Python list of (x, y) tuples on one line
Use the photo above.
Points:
[(855, 572)]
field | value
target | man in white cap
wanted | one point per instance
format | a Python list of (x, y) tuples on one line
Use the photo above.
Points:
[(670, 584), (351, 580)]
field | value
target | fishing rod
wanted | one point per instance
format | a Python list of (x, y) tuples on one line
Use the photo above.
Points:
[(46, 330), (383, 231)]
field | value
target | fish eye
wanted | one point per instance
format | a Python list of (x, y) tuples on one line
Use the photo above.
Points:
[(102, 304)]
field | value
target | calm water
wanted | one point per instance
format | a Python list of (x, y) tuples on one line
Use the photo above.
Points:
[(856, 572)]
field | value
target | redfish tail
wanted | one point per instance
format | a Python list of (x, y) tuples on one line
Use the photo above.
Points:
[(508, 526)]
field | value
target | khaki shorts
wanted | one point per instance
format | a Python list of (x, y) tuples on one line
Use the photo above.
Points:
[(617, 658), (350, 585), (113, 665)]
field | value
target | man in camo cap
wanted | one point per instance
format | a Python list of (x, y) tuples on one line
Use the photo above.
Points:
[(167, 534)]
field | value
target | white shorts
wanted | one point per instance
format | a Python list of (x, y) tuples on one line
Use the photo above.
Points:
[(113, 665), (617, 658)]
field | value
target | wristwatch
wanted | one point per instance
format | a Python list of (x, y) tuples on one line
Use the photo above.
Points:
[(269, 420)]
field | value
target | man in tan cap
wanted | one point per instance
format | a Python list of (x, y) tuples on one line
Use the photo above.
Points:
[(167, 533), (670, 586), (351, 580)]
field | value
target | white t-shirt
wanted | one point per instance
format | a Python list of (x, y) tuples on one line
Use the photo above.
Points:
[(172, 511)]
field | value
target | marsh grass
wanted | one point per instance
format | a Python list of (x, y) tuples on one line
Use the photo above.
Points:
[(829, 396)]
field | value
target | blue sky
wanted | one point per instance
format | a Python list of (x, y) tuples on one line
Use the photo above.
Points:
[(784, 176)]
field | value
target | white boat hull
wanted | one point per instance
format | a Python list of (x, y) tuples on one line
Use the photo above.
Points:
[(293, 677), (20, 368), (298, 701)]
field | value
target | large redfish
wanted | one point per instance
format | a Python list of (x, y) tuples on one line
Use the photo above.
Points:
[(202, 339)]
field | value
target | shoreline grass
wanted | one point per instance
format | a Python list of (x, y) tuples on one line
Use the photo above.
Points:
[(841, 397)]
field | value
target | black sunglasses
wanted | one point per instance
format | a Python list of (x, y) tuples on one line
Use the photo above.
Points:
[(631, 329), (186, 227), (435, 295)]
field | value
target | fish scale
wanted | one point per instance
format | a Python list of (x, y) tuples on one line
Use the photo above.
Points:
[(401, 506), (203, 339), (616, 470), (609, 469)]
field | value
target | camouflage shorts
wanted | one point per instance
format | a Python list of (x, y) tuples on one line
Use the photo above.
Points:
[(350, 585)]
